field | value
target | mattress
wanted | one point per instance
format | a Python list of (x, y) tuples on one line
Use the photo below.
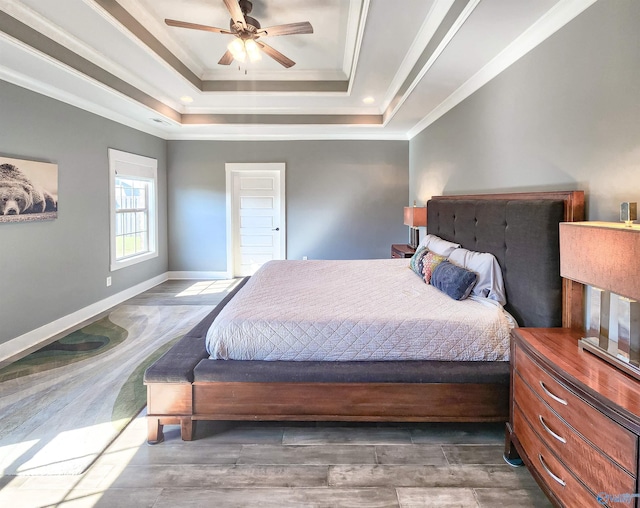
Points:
[(354, 310)]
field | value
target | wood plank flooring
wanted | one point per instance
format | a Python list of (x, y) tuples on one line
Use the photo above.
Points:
[(274, 465), (283, 465)]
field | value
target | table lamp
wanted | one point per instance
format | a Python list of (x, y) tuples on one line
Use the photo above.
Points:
[(415, 217), (605, 256)]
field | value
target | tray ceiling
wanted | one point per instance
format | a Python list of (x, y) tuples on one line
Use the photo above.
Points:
[(414, 60)]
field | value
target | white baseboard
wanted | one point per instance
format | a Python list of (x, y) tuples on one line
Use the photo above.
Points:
[(198, 275), (32, 339)]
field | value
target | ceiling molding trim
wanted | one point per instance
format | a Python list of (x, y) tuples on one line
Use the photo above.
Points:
[(547, 25), (358, 44), (285, 87), (73, 100), (434, 19), (285, 110), (36, 21), (57, 54), (251, 119), (147, 39), (378, 135), (158, 29), (451, 24), (291, 74)]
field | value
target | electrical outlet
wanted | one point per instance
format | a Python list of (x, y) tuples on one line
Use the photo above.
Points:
[(304, 258), (108, 281)]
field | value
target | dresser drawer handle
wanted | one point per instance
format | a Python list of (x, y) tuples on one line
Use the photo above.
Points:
[(554, 397), (545, 427), (557, 479)]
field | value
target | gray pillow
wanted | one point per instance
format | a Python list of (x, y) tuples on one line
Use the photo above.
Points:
[(453, 280)]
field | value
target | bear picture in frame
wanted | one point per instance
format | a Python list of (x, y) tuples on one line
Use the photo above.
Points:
[(28, 190)]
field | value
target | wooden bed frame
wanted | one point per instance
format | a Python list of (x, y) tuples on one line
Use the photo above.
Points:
[(185, 400)]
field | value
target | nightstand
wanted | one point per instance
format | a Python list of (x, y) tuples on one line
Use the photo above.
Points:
[(399, 250), (575, 420)]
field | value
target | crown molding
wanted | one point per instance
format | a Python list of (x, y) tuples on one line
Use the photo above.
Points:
[(157, 29), (547, 25), (358, 45), (419, 72), (431, 23), (23, 14), (331, 135)]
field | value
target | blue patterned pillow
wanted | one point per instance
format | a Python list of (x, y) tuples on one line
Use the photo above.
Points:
[(453, 280)]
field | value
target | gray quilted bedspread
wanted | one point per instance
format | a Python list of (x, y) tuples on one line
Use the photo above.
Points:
[(354, 310)]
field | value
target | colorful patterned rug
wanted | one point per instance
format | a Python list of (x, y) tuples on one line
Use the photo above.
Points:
[(62, 405)]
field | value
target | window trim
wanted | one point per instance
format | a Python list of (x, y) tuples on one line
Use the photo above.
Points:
[(129, 165)]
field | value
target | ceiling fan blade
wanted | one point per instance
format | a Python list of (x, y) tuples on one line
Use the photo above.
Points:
[(195, 26), (304, 27), (236, 12), (226, 59), (276, 55)]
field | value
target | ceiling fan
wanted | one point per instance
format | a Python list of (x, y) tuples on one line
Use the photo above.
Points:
[(247, 31)]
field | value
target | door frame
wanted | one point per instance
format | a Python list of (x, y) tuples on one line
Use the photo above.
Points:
[(232, 168)]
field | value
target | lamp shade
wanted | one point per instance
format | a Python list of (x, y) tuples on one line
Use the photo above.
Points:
[(415, 216), (602, 254)]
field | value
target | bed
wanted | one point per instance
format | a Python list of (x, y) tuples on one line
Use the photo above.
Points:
[(521, 230)]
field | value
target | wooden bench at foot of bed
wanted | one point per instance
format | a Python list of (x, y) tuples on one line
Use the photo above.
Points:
[(355, 402), (293, 391)]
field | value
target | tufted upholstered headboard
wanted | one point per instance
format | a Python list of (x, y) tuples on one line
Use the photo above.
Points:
[(521, 230)]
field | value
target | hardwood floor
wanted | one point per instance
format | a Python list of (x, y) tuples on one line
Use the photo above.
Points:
[(282, 465), (275, 465)]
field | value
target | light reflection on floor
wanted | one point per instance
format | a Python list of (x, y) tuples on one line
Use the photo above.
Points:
[(206, 287)]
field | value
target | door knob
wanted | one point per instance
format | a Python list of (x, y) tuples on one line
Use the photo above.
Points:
[(275, 229)]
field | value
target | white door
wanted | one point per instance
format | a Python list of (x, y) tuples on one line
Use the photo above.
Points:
[(256, 218)]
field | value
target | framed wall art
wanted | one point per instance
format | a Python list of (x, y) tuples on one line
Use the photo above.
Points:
[(28, 190)]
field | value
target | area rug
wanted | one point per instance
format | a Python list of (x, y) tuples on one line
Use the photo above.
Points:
[(63, 405)]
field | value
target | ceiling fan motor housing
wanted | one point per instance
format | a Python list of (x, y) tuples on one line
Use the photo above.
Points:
[(253, 25), (245, 6)]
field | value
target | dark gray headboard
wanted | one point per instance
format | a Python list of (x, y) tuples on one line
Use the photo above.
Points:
[(521, 230)]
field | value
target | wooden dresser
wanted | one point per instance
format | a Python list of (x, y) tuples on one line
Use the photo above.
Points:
[(575, 420)]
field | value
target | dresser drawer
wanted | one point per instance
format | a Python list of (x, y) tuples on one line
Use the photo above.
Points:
[(586, 462), (615, 441), (558, 479)]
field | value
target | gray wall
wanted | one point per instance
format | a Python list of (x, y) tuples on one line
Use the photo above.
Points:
[(344, 198), (51, 269), (565, 116)]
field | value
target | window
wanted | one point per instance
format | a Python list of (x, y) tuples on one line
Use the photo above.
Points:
[(133, 185)]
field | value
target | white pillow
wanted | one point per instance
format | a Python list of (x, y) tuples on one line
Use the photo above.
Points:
[(438, 246), (490, 283)]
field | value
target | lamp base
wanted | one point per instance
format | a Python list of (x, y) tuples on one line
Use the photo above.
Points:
[(594, 346), (414, 237)]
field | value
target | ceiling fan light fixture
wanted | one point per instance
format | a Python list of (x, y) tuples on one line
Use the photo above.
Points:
[(237, 48), (246, 29), (253, 50)]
